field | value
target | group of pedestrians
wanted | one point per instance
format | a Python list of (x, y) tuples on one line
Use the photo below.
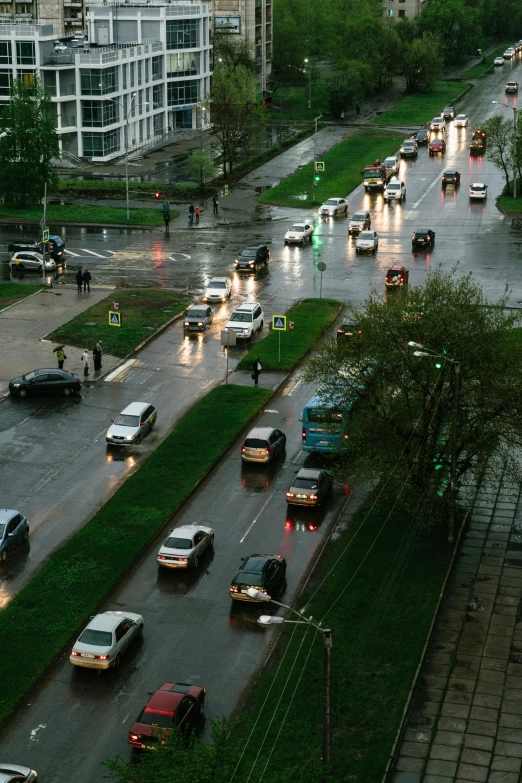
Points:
[(83, 279), (85, 358), (195, 212)]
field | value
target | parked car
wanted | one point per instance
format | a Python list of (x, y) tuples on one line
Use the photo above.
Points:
[(423, 237), (263, 444), (448, 112), (391, 163), (246, 320), (436, 146), (300, 232), (105, 639), (347, 330), (14, 530), (395, 190), (32, 262), (264, 572), (359, 221), (334, 207), (252, 258), (450, 177), (197, 318), (44, 381), (438, 124), (478, 191), (396, 277), (128, 428), (498, 61), (14, 773), (184, 546), (367, 242), (511, 88), (461, 121), (422, 136), (310, 487), (174, 705), (409, 148), (218, 289)]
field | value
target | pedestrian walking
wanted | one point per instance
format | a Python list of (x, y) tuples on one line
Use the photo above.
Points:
[(197, 215), (84, 358), (215, 201), (342, 116), (86, 281), (97, 356), (79, 280), (166, 218), (191, 214), (61, 357), (357, 109), (256, 369)]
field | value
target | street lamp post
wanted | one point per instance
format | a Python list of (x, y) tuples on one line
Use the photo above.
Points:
[(266, 620), (514, 108), (133, 98), (313, 167), (308, 65), (454, 431)]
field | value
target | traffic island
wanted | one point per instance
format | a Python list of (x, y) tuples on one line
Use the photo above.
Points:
[(81, 215), (138, 316), (418, 109)]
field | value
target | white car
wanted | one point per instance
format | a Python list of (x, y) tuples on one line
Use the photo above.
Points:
[(461, 121), (299, 232), (498, 61), (367, 242), (438, 124), (14, 773), (359, 221), (133, 422), (184, 546), (334, 207), (395, 190), (478, 190), (391, 164), (218, 289), (29, 260), (103, 642), (60, 47), (246, 320), (508, 54)]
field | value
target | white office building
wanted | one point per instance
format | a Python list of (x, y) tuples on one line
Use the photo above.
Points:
[(144, 72)]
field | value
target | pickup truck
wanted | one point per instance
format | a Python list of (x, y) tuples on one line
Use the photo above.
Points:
[(376, 176)]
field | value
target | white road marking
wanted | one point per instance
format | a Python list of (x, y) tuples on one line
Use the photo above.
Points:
[(298, 383), (255, 520), (184, 256), (112, 252), (437, 179), (76, 255), (125, 718), (34, 731), (120, 369), (93, 253), (270, 410)]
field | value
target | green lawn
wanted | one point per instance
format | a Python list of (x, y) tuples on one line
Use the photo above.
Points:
[(13, 292), (510, 204), (422, 107), (68, 588), (138, 190), (310, 318), (481, 68), (291, 103), (143, 312), (73, 213), (343, 166)]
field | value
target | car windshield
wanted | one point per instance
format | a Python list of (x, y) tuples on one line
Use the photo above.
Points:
[(331, 202), (57, 241), (419, 135), (394, 186), (478, 188), (371, 173), (178, 543), (161, 718), (29, 376), (255, 443), (461, 116), (2, 531), (244, 317), (366, 235), (250, 252), (422, 233), (127, 421), (436, 143), (96, 638), (305, 483), (390, 162), (359, 217), (408, 144), (249, 578), (217, 284), (197, 314), (297, 227)]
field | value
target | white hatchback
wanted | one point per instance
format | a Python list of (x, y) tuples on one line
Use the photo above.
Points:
[(103, 642), (133, 422), (478, 190), (461, 121), (367, 242), (184, 546), (218, 289), (299, 232), (395, 190), (29, 260)]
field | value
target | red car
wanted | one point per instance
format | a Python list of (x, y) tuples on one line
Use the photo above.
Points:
[(174, 704), (396, 276), (436, 146)]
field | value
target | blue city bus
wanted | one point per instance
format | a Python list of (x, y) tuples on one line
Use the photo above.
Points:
[(325, 426)]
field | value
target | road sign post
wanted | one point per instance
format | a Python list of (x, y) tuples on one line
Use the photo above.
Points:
[(227, 339), (279, 325), (321, 267), (115, 318)]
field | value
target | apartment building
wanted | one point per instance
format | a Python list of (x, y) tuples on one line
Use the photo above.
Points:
[(399, 9), (251, 19), (143, 73)]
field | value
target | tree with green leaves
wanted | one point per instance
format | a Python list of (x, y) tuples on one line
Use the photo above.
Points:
[(421, 62), (28, 144), (200, 167), (499, 145)]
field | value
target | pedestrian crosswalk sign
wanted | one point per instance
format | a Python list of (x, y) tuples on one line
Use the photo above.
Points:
[(114, 318), (319, 166), (279, 323)]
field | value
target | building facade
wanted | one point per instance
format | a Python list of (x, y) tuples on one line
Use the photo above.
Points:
[(395, 10), (251, 19), (145, 71)]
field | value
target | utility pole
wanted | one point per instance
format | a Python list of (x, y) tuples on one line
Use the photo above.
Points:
[(453, 465), (514, 151), (43, 229), (327, 705), (313, 167)]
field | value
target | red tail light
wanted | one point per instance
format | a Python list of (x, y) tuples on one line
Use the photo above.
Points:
[(268, 449), (289, 494), (312, 527), (102, 657), (234, 589), (289, 524), (242, 448), (313, 497), (303, 434), (345, 437), (74, 653)]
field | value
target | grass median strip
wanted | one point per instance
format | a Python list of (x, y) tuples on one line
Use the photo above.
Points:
[(69, 587), (14, 292), (481, 68), (84, 214), (310, 318), (143, 313), (343, 166), (418, 109)]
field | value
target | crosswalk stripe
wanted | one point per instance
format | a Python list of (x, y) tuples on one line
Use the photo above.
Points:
[(76, 255), (93, 253)]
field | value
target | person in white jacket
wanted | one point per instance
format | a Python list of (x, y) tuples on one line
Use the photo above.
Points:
[(85, 361)]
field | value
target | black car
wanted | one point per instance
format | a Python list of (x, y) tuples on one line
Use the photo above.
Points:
[(422, 136), (252, 258), (423, 237), (198, 318), (265, 573), (450, 178), (448, 112), (50, 381), (347, 330)]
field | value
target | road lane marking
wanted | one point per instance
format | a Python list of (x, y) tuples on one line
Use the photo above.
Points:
[(34, 731), (92, 253), (76, 255), (184, 256), (125, 718), (255, 520), (296, 386), (119, 370), (428, 189)]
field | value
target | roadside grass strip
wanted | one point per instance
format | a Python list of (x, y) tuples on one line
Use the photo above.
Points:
[(310, 318), (57, 602), (481, 68), (14, 292), (84, 214), (418, 109), (143, 312), (343, 165)]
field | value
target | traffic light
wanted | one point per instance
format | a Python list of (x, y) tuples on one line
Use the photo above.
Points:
[(157, 194), (438, 365), (317, 178)]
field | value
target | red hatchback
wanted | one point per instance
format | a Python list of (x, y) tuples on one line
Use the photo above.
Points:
[(173, 705), (436, 146)]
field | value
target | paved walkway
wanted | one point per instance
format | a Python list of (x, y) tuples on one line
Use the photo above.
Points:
[(465, 720), (23, 325)]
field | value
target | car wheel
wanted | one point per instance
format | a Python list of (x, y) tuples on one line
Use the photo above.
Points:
[(138, 440), (4, 555), (117, 661), (261, 326), (26, 535), (66, 392), (140, 632), (211, 544), (22, 393), (196, 562)]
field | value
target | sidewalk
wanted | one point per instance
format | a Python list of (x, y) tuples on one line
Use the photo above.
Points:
[(464, 724), (24, 325)]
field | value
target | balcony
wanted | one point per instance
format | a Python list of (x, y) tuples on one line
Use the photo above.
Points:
[(74, 22), (71, 4), (50, 90)]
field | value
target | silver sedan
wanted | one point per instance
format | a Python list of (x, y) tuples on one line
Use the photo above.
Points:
[(185, 545)]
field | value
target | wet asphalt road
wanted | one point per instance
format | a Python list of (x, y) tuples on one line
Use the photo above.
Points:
[(184, 613)]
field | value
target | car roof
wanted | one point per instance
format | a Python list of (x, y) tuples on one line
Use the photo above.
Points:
[(6, 514), (437, 141), (253, 247), (135, 408), (255, 562), (195, 306), (260, 432), (107, 621), (217, 280), (390, 157), (395, 268), (478, 185), (309, 473), (358, 215), (187, 530), (422, 230), (49, 369), (450, 171), (247, 307), (165, 699)]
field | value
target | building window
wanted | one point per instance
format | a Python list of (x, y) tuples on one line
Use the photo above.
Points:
[(96, 114), (101, 144), (180, 93), (5, 9), (389, 12), (25, 53), (158, 124), (99, 82), (402, 13), (5, 52), (139, 72), (124, 76), (182, 34), (27, 77), (157, 68), (182, 119), (157, 96), (131, 66), (183, 64), (140, 102), (5, 82), (148, 127)]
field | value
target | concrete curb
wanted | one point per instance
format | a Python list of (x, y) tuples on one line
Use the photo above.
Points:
[(27, 222)]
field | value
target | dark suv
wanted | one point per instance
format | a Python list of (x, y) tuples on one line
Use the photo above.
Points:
[(252, 258), (266, 573), (423, 237), (450, 178), (347, 330)]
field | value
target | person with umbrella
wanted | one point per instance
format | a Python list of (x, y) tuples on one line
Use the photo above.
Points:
[(60, 355)]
